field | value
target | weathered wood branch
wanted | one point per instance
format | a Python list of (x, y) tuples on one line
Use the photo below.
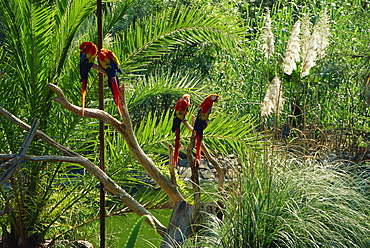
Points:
[(48, 158), (194, 178), (220, 170), (39, 134), (99, 69), (17, 160), (126, 130), (179, 225), (108, 183)]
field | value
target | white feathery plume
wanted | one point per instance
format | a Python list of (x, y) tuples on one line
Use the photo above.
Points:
[(321, 34), (315, 43), (273, 101), (306, 28), (309, 53), (292, 50), (268, 36)]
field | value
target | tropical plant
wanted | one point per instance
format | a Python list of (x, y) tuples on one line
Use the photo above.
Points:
[(304, 206), (167, 49), (41, 47), (290, 203)]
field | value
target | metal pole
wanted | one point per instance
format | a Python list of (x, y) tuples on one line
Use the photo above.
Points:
[(101, 127)]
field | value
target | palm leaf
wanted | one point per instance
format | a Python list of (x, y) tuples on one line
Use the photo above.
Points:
[(163, 82), (69, 18), (113, 12), (227, 134), (135, 231), (155, 36)]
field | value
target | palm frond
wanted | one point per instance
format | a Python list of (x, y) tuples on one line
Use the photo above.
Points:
[(29, 30), (113, 12), (226, 133), (162, 82), (69, 15), (151, 38)]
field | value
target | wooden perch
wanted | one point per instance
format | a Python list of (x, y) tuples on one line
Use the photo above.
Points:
[(126, 130), (179, 225), (17, 160), (99, 69), (220, 170), (194, 178), (74, 157)]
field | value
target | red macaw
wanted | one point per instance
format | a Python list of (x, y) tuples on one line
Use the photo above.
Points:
[(181, 110), (111, 65), (87, 56), (201, 122)]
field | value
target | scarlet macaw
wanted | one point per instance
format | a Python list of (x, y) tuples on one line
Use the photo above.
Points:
[(111, 65), (87, 56), (201, 122), (181, 110)]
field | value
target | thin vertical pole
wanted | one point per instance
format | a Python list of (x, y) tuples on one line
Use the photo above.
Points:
[(101, 127)]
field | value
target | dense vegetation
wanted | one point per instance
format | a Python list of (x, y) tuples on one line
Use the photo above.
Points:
[(301, 177)]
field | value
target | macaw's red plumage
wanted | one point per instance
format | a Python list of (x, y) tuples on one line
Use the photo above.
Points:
[(111, 65), (87, 56), (201, 122), (181, 110)]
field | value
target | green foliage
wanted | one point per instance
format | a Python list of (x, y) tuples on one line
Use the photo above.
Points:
[(168, 48), (292, 204), (133, 236)]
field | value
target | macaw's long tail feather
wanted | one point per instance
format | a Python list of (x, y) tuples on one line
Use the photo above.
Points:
[(114, 86), (197, 149), (119, 106), (177, 147), (84, 86)]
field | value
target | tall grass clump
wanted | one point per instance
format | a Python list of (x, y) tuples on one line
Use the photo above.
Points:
[(294, 204)]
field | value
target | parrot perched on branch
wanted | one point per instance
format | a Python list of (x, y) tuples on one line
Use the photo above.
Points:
[(201, 122), (87, 56), (111, 65), (181, 110)]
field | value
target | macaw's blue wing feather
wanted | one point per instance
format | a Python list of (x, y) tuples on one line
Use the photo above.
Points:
[(113, 84), (85, 66), (115, 67), (199, 126), (176, 124)]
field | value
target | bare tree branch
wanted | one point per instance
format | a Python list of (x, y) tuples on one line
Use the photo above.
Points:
[(49, 158), (220, 170), (108, 183), (7, 209), (126, 130), (39, 134), (99, 69), (17, 160), (194, 178)]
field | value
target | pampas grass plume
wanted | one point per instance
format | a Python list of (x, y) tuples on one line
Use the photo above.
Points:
[(268, 36), (314, 44), (292, 50), (321, 34), (273, 101)]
